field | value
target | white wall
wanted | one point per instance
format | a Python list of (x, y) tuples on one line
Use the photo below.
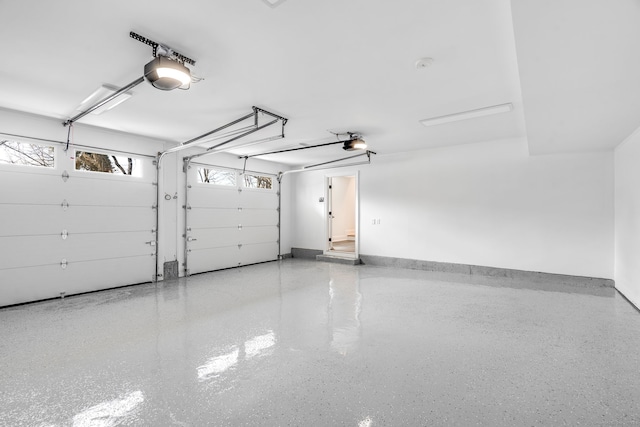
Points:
[(627, 218), (487, 204)]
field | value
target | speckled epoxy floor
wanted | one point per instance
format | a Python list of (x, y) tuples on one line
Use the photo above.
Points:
[(304, 343)]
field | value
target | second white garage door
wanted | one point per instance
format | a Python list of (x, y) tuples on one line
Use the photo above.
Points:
[(231, 217)]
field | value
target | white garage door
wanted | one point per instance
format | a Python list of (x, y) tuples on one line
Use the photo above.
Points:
[(67, 229), (232, 218)]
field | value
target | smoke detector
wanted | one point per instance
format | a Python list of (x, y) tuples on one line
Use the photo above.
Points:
[(423, 63)]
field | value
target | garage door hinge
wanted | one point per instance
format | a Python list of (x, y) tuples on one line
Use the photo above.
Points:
[(240, 246), (278, 225), (63, 263), (239, 190), (186, 207), (154, 183), (277, 193), (65, 176), (151, 242), (154, 207), (278, 208), (239, 226), (65, 205)]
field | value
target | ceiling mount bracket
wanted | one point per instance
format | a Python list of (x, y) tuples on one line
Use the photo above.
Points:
[(164, 49)]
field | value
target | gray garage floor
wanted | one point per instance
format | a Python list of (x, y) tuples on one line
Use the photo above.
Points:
[(303, 343)]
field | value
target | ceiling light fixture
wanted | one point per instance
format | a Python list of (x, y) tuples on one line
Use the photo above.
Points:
[(470, 114), (167, 70), (356, 143), (167, 74)]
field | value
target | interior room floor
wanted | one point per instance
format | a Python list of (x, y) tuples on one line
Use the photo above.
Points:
[(344, 246), (300, 342)]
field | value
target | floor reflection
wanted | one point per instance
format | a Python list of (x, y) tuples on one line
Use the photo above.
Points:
[(345, 306), (111, 413), (256, 346)]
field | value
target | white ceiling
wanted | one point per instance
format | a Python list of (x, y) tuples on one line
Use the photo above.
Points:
[(337, 65)]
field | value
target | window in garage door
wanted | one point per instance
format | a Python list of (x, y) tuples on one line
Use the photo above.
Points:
[(232, 218), (71, 231)]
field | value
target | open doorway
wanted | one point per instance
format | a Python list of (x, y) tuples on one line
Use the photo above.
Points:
[(342, 216)]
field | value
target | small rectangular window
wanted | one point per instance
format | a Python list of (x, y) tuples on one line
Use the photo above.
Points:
[(108, 163), (26, 154), (217, 177), (258, 181)]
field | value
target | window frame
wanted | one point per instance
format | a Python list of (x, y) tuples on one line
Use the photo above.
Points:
[(258, 174), (138, 165), (9, 165), (214, 184)]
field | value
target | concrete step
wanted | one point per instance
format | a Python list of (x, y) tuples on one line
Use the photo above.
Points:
[(338, 259)]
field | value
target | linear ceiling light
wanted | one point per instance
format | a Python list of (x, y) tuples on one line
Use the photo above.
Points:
[(471, 114), (101, 93)]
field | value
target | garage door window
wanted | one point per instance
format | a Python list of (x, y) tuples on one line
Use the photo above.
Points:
[(217, 177), (108, 163), (26, 154), (258, 181)]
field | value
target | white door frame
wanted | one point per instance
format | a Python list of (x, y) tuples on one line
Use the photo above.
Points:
[(327, 220)]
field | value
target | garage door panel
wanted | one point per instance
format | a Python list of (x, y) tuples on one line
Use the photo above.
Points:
[(93, 246), (259, 234), (259, 217), (258, 199), (213, 259), (209, 196), (48, 187), (89, 276), (21, 285), (25, 251), (111, 191), (214, 217), (108, 219), (214, 237), (40, 219), (251, 254)]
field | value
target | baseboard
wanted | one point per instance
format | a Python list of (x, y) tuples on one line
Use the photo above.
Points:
[(305, 253), (633, 304), (285, 256), (486, 271)]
